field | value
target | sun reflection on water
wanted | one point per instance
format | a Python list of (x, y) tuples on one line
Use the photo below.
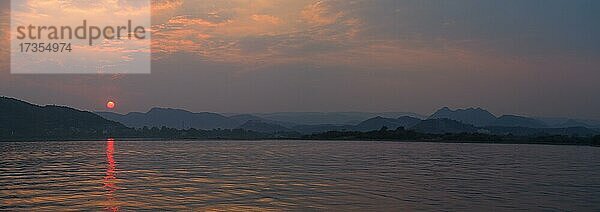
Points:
[(110, 178)]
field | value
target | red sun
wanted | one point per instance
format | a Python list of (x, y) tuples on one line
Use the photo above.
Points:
[(110, 105)]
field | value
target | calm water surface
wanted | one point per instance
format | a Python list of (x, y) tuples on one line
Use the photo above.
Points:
[(297, 175)]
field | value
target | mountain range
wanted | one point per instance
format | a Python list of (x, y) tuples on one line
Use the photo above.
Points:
[(22, 118), (176, 118), (337, 118), (182, 119), (482, 118), (445, 120)]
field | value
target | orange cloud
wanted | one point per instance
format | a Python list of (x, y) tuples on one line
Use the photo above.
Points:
[(189, 21), (270, 33), (266, 19), (244, 36), (320, 14), (162, 5)]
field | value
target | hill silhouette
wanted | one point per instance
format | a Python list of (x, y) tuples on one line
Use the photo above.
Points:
[(20, 119), (474, 116), (319, 128), (517, 121), (263, 127), (173, 118), (379, 122), (443, 126), (330, 118)]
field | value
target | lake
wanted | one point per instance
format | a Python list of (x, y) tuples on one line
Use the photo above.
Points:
[(297, 175)]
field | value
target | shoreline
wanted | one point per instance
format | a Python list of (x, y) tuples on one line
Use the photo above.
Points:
[(302, 140)]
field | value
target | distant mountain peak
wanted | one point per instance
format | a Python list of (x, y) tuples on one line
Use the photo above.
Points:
[(475, 116), (160, 109), (445, 109)]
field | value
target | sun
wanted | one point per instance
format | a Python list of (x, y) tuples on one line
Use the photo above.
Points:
[(110, 105)]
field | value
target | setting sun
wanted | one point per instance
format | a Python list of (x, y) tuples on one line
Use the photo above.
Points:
[(110, 105)]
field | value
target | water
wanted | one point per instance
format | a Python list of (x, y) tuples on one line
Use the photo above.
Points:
[(297, 175)]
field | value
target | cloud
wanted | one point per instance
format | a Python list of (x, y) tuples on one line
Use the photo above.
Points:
[(233, 31), (266, 19), (192, 22), (160, 6), (320, 13)]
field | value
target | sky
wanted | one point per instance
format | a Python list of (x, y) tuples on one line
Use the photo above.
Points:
[(88, 55), (526, 57)]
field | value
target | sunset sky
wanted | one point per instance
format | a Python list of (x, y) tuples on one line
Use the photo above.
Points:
[(528, 57)]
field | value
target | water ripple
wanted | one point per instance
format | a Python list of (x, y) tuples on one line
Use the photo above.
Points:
[(296, 175)]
